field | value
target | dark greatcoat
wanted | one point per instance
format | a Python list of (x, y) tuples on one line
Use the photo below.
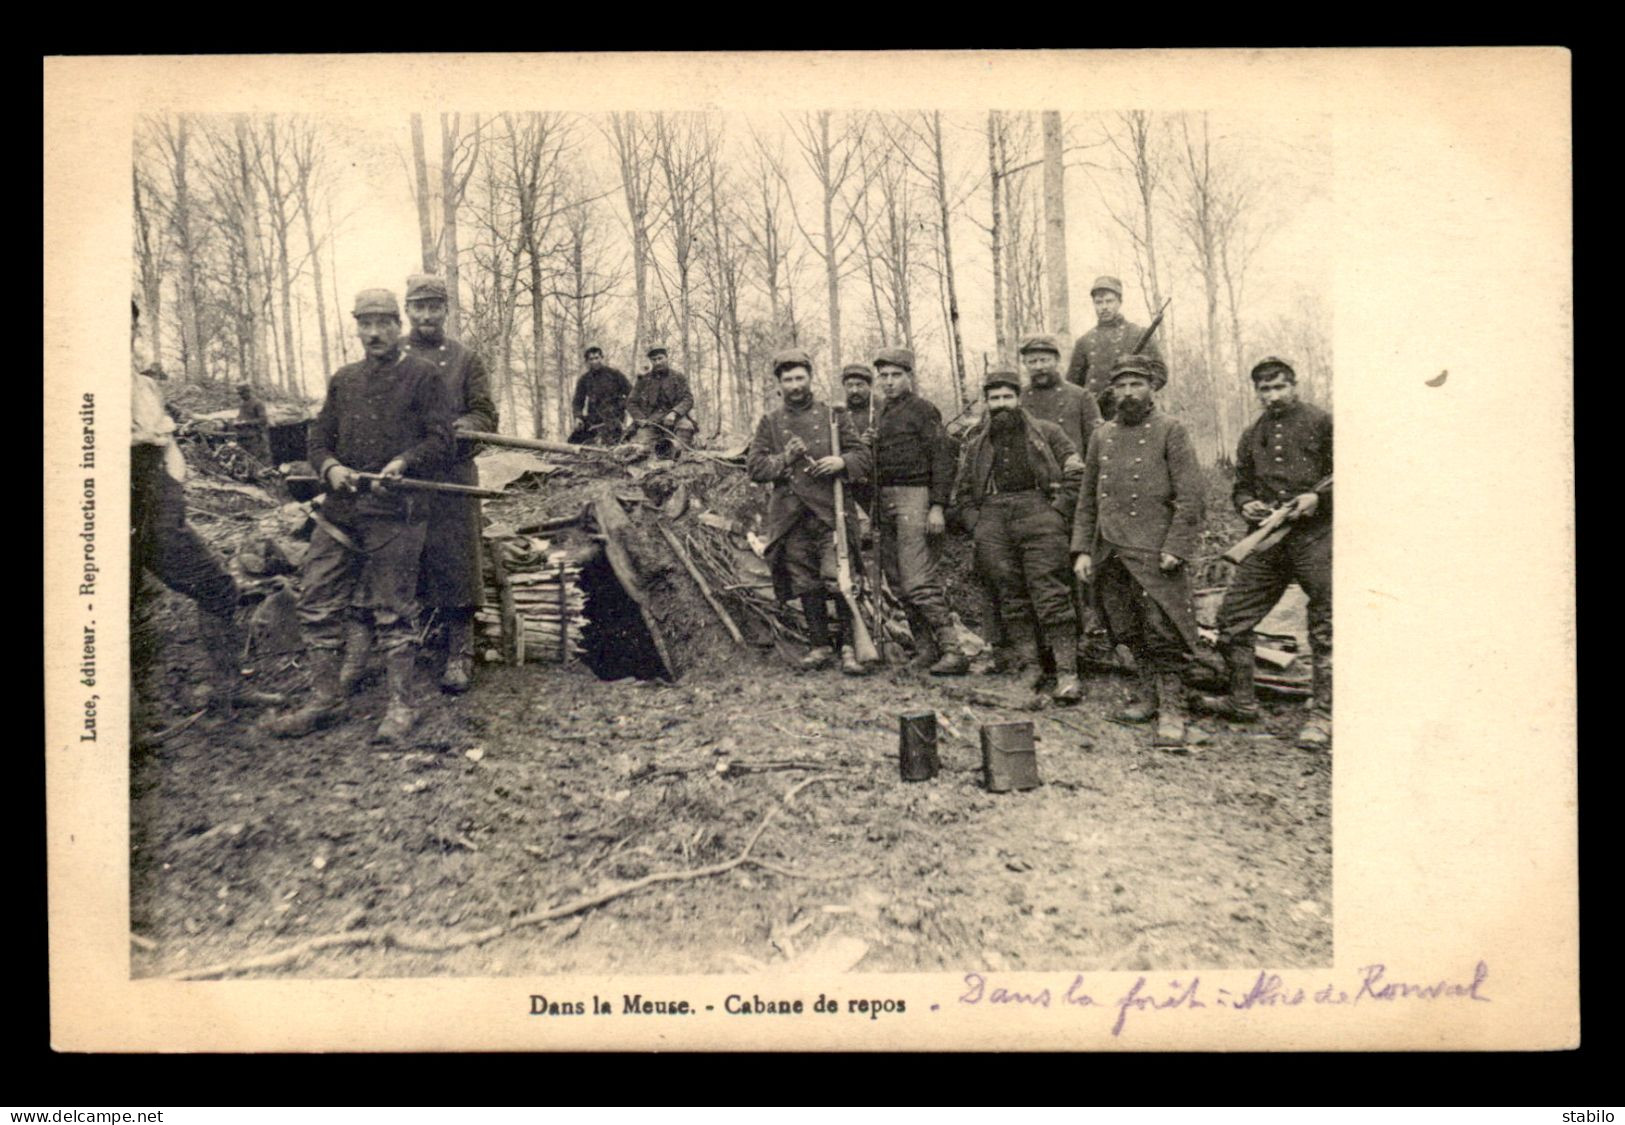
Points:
[(794, 487), (451, 570), (1102, 346), (1142, 496)]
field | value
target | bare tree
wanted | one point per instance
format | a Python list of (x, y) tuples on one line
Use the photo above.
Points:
[(280, 206), (1199, 215), (632, 145), (1135, 141), (1055, 224), (926, 128), (420, 167), (307, 155), (683, 148), (459, 155), (175, 138), (151, 244)]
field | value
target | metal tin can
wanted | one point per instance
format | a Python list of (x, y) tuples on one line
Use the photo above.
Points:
[(1009, 759), (917, 746)]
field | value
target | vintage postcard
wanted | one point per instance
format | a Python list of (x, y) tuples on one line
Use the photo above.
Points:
[(811, 551)]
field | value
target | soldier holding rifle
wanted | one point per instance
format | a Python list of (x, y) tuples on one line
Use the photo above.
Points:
[(791, 450), (1097, 351), (661, 403), (388, 414), (599, 403), (1283, 466)]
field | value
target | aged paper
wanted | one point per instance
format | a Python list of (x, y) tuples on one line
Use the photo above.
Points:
[(1449, 238)]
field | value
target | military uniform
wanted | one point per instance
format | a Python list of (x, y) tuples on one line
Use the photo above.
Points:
[(800, 523), (254, 429), (1281, 456), (600, 398), (1097, 351), (657, 394), (1141, 499), (1016, 491)]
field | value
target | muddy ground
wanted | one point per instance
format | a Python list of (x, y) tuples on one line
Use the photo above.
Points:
[(545, 785)]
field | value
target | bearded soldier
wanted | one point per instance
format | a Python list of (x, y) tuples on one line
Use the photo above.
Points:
[(452, 582), (1015, 490), (1281, 459), (1138, 521), (1113, 336), (791, 451), (857, 380), (387, 414)]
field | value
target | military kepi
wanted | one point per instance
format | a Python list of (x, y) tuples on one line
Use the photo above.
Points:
[(1109, 283), (857, 371), (1001, 379), (1141, 365), (791, 357), (656, 349), (897, 357), (376, 302), (425, 287), (1040, 343), (1272, 363)]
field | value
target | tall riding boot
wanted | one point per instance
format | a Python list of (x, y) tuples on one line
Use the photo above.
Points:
[(1317, 732), (1170, 733), (399, 665), (1064, 648), (926, 652), (357, 648), (459, 651), (819, 655), (223, 644), (1142, 704), (1046, 659), (1241, 705), (951, 660), (326, 703)]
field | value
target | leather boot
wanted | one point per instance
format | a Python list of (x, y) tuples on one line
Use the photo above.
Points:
[(926, 653), (357, 649), (850, 664), (399, 665), (1241, 705), (1170, 734), (459, 670), (951, 660), (818, 657), (223, 644), (1142, 704), (1064, 648), (1317, 732), (326, 704), (1046, 660)]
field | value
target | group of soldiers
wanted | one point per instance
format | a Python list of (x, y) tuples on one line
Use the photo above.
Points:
[(1078, 493), (1080, 496)]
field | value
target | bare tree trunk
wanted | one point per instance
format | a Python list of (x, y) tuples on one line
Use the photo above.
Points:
[(1055, 224), (1015, 306), (259, 301), (181, 223), (149, 254), (1001, 338), (948, 259), (832, 266), (637, 207), (315, 274), (420, 165), (276, 198), (338, 305), (452, 188)]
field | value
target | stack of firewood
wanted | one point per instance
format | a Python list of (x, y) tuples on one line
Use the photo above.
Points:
[(535, 606)]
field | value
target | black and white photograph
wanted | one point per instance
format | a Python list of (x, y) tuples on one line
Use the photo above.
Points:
[(761, 540)]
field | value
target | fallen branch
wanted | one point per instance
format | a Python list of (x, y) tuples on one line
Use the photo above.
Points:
[(418, 944), (694, 573)]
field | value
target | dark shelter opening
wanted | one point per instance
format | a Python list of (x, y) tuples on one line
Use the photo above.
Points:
[(616, 643)]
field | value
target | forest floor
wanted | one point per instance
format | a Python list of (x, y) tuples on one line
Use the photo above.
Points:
[(472, 851)]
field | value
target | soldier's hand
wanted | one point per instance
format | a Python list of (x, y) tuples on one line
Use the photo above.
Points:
[(1171, 563), (935, 522), (341, 478), (1083, 566), (393, 471), (670, 419), (828, 466), (1255, 511), (794, 447), (1308, 504)]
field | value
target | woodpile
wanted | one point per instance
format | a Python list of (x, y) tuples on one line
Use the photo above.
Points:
[(535, 607)]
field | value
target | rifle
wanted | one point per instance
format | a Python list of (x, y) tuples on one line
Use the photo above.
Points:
[(303, 487), (1156, 322), (1271, 531), (863, 645), (539, 445)]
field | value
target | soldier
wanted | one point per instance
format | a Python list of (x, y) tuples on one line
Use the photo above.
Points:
[(1016, 489), (1070, 407), (451, 581), (857, 380), (389, 414), (791, 451), (662, 399), (599, 404), (1280, 460), (253, 424), (161, 542), (1138, 520), (914, 479), (1097, 351)]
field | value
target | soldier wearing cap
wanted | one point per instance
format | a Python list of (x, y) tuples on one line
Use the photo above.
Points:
[(1280, 460), (1016, 488), (1138, 521), (599, 405), (253, 428), (1097, 351), (387, 414), (858, 380), (791, 451), (662, 399), (914, 478), (451, 581)]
